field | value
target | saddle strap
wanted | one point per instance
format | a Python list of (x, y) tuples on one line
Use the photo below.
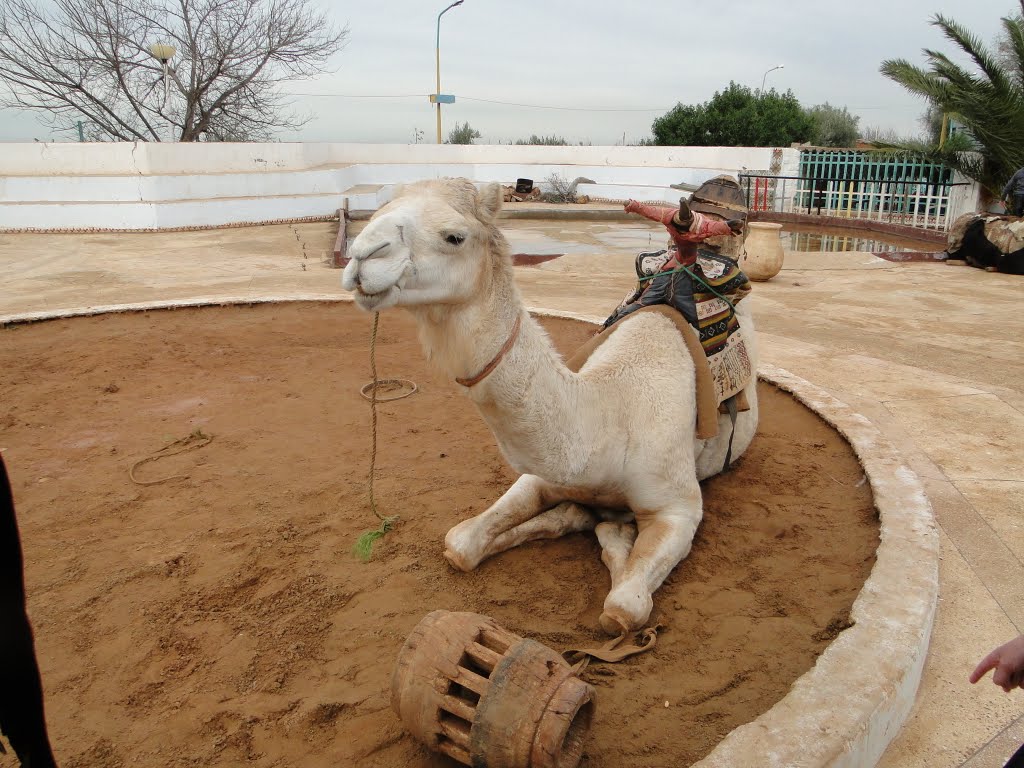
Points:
[(730, 405), (611, 651)]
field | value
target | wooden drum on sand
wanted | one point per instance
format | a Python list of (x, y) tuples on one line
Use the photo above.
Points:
[(484, 696)]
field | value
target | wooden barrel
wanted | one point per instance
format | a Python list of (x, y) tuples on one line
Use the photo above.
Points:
[(484, 696)]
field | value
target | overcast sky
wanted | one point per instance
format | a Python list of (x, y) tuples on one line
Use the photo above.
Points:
[(611, 67)]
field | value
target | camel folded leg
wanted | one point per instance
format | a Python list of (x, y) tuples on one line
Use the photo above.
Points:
[(616, 541), (468, 543), (565, 518), (662, 541)]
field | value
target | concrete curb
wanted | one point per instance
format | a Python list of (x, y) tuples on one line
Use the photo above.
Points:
[(845, 711)]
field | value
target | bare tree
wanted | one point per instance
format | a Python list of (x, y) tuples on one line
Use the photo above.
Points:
[(89, 61)]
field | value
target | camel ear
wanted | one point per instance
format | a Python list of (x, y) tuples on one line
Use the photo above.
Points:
[(489, 200)]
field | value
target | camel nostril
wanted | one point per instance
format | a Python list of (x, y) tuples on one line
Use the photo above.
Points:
[(375, 251)]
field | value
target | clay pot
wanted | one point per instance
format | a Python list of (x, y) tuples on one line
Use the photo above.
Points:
[(763, 253), (484, 696)]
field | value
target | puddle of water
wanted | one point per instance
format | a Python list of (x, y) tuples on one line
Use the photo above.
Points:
[(824, 239), (533, 259), (536, 243), (518, 259)]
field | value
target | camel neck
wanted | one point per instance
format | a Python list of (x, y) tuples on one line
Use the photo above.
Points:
[(530, 398), (513, 335), (532, 403)]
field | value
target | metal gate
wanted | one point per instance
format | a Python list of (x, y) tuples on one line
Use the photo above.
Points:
[(858, 185)]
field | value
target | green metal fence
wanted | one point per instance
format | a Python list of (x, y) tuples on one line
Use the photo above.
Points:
[(858, 185)]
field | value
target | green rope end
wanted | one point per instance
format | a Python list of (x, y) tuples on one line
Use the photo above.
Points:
[(363, 548)]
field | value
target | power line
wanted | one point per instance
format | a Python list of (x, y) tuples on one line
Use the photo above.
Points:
[(518, 104), (486, 101), (367, 95), (570, 109)]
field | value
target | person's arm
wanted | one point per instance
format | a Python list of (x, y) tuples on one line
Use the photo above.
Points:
[(1011, 185), (710, 227), (704, 227), (1008, 662), (658, 213)]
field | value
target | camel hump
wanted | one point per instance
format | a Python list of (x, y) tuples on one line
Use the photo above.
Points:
[(706, 389)]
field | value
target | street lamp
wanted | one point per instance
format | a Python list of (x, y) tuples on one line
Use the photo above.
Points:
[(437, 63), (164, 53), (780, 66)]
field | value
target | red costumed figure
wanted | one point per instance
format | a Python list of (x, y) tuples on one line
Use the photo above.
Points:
[(685, 227)]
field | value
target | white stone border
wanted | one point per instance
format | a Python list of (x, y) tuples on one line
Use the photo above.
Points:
[(844, 711)]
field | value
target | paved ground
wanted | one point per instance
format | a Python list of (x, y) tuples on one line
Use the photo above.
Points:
[(933, 354)]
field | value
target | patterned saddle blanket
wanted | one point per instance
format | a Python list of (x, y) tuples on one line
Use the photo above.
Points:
[(706, 293)]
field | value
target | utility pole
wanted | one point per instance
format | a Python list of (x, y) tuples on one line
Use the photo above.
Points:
[(436, 97), (780, 66)]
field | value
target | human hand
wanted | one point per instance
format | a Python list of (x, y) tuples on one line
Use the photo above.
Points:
[(736, 225), (1008, 662), (631, 206)]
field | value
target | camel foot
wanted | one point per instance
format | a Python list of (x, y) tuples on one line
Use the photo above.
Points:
[(457, 561), (458, 549), (613, 625), (626, 609)]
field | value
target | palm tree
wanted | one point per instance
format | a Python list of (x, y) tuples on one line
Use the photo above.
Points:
[(987, 100)]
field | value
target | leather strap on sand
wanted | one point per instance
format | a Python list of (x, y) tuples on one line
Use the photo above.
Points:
[(613, 651), (707, 401)]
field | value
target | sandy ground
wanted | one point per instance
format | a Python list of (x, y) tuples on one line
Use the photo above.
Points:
[(220, 619)]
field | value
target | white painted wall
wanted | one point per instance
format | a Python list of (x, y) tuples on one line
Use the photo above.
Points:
[(153, 159), (963, 199), (144, 186)]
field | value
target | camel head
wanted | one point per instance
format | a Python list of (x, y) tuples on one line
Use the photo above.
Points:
[(434, 243)]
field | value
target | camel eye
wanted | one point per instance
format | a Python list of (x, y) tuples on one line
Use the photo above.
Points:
[(455, 239)]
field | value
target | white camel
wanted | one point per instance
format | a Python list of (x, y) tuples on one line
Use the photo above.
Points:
[(601, 449)]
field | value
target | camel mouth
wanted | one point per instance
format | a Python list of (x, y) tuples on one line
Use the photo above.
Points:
[(368, 300)]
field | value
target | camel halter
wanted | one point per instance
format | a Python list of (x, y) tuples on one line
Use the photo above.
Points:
[(497, 358)]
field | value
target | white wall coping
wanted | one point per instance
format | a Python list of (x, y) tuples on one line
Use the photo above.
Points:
[(160, 158)]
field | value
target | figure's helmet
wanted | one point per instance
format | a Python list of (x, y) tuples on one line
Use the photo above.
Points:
[(720, 196)]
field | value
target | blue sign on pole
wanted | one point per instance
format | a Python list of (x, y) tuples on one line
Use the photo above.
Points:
[(442, 98)]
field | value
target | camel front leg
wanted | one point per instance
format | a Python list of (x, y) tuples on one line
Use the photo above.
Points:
[(561, 520), (663, 540), (471, 541), (616, 541)]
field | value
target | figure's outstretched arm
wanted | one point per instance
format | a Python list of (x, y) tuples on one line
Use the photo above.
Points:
[(659, 213)]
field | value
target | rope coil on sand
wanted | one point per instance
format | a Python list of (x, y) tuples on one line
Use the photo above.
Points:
[(364, 544), (370, 389), (198, 439)]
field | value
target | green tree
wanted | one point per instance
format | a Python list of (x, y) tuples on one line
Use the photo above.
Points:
[(832, 126), (931, 121), (736, 117), (986, 98), (550, 141), (462, 134)]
